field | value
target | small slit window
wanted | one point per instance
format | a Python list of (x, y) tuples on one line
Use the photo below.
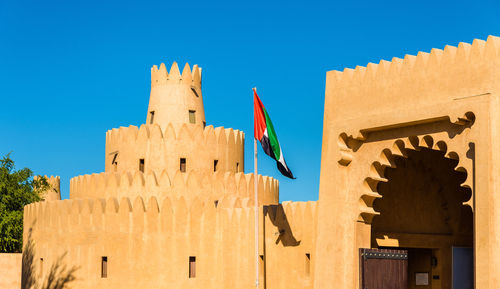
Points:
[(151, 117), (41, 266), (192, 267), (237, 167), (114, 162), (104, 267), (182, 165), (261, 264), (216, 163), (204, 124), (193, 88), (192, 116), (141, 165), (216, 203), (308, 264)]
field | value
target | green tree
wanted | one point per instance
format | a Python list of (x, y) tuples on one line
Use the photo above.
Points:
[(17, 189)]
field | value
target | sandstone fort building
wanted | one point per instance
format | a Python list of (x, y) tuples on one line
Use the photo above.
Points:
[(409, 191)]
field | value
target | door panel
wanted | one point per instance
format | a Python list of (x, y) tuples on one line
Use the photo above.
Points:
[(383, 269), (463, 268)]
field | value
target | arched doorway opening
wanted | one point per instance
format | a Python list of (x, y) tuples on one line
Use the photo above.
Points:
[(423, 210)]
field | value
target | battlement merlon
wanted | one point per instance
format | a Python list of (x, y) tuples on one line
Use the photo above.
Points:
[(176, 98)]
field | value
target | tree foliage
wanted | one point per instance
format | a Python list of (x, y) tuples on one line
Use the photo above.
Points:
[(17, 189)]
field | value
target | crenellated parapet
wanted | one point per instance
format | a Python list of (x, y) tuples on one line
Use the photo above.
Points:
[(160, 76), (203, 149), (75, 212), (300, 211), (53, 193), (422, 65), (207, 185), (448, 74), (296, 218), (300, 215)]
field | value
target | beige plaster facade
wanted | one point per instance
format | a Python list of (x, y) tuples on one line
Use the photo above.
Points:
[(10, 270), (161, 150), (410, 160), (148, 242), (212, 186), (173, 196)]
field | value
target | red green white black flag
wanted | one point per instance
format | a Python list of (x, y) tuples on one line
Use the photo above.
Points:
[(265, 134)]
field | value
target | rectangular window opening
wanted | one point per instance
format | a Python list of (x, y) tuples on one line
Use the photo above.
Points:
[(237, 167), (182, 165), (151, 117), (192, 116), (216, 203), (308, 264), (141, 165), (216, 162), (192, 267), (104, 267)]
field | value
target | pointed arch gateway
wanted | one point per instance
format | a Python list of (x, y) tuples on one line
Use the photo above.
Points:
[(418, 200), (367, 109)]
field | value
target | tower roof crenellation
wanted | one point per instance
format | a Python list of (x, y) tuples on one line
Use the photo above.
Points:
[(160, 76)]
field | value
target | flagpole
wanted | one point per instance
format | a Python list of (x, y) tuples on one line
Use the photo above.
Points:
[(256, 217), (256, 204)]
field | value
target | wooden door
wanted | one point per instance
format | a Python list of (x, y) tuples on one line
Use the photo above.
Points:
[(383, 269)]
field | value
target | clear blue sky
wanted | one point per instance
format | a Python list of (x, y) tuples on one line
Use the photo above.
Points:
[(70, 70)]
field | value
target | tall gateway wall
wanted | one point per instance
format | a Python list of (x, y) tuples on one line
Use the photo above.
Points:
[(445, 103), (149, 243)]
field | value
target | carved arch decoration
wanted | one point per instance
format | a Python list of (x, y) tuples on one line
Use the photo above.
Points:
[(349, 143), (400, 148)]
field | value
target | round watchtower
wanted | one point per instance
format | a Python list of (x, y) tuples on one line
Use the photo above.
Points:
[(175, 153), (176, 98)]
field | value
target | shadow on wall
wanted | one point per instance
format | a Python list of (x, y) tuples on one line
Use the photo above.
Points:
[(58, 277), (278, 218)]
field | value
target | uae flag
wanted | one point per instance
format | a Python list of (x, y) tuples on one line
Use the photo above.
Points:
[(264, 132)]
